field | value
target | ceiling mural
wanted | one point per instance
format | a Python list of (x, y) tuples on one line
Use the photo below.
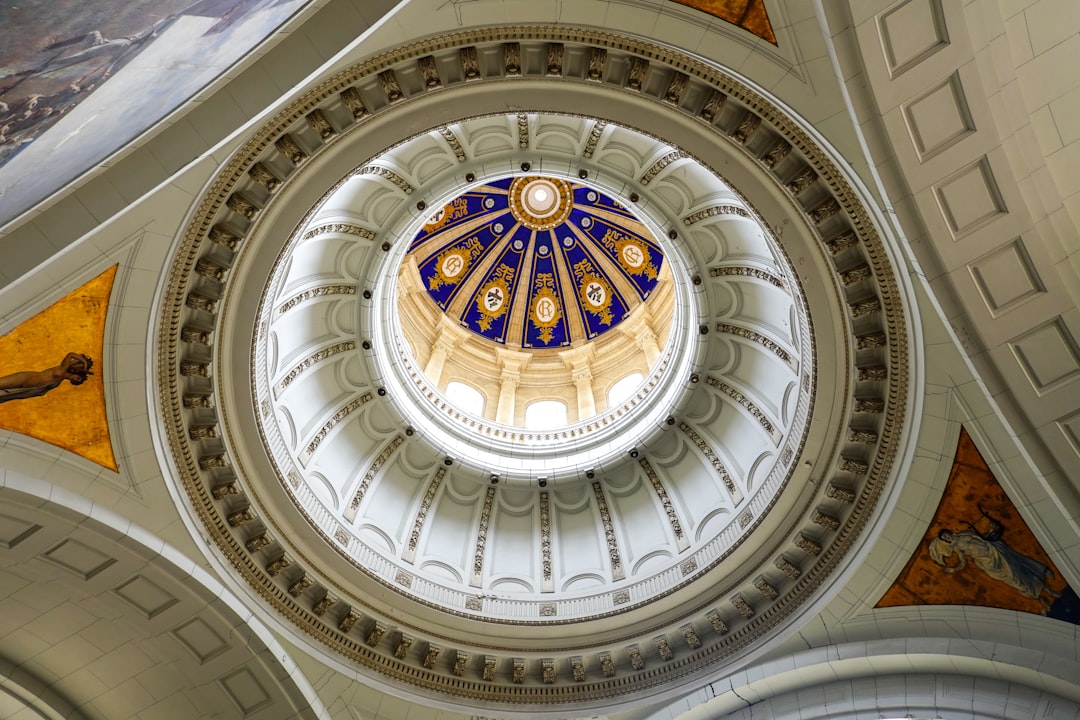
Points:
[(750, 15), (536, 262), (979, 551), (81, 78), (50, 385)]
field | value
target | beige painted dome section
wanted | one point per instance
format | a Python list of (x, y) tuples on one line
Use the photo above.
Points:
[(583, 381)]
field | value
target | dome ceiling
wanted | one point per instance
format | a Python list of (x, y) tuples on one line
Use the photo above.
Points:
[(383, 520), (708, 515), (536, 262)]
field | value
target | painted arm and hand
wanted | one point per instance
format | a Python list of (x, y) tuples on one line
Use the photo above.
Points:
[(960, 564), (74, 368), (944, 546)]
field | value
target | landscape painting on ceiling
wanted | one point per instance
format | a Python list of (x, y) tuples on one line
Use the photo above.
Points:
[(51, 387), (81, 78), (750, 15), (979, 551)]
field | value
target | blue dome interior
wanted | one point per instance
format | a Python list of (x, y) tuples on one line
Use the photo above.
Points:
[(536, 282)]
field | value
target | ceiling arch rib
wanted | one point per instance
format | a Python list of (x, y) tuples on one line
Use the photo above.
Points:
[(930, 677), (114, 620)]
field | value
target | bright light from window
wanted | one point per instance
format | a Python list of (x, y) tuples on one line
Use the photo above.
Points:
[(545, 415), (467, 398), (622, 390)]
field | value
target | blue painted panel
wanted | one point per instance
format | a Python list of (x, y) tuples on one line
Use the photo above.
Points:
[(545, 321), (461, 209), (599, 304), (490, 309), (448, 265), (638, 258)]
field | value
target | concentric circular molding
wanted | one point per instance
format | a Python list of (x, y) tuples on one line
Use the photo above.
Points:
[(654, 650), (598, 443)]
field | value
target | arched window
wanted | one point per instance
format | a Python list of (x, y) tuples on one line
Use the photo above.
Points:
[(545, 415), (623, 389), (467, 398)]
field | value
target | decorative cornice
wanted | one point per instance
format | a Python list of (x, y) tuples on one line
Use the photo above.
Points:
[(312, 360), (744, 402), (715, 211), (594, 137), (717, 464), (343, 228), (453, 142), (386, 173), (337, 417), (756, 337), (481, 538), (657, 167), (547, 583), (741, 271), (315, 293), (421, 514)]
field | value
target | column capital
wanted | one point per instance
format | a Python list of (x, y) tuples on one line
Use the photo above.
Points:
[(579, 358), (584, 375), (646, 338), (442, 346), (512, 361), (449, 333), (639, 321), (638, 327)]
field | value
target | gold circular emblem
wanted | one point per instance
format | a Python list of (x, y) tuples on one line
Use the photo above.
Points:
[(437, 219), (632, 255), (453, 265), (595, 294)]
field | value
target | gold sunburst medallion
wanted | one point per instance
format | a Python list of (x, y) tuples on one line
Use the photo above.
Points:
[(540, 203)]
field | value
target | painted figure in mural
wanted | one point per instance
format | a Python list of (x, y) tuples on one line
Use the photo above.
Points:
[(38, 86), (64, 73), (989, 552), (74, 368)]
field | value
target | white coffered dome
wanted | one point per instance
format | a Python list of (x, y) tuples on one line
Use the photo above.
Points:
[(635, 502)]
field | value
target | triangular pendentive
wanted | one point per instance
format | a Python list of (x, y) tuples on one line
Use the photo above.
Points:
[(979, 551), (750, 15), (48, 389)]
